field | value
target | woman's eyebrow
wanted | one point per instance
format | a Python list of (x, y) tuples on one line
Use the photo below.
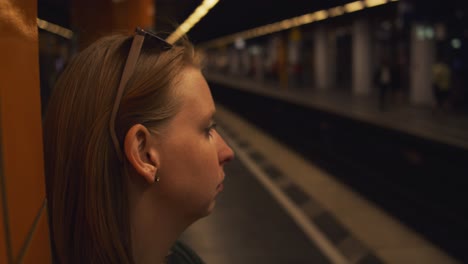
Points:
[(211, 115)]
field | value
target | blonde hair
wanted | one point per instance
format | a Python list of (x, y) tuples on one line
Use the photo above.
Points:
[(86, 182)]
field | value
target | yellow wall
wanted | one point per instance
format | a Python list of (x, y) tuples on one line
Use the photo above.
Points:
[(23, 232), (93, 19)]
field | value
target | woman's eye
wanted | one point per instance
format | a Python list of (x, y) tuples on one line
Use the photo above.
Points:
[(210, 129)]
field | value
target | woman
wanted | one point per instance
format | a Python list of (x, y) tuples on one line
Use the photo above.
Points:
[(132, 154)]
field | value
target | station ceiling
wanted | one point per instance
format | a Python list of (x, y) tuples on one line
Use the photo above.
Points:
[(230, 16)]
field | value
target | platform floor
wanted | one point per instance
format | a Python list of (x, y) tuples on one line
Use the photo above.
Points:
[(279, 208), (249, 227)]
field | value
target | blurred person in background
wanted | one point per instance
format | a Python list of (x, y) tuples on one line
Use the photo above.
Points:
[(441, 83), (384, 80), (132, 155)]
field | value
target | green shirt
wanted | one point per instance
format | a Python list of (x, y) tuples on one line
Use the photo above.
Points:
[(182, 254)]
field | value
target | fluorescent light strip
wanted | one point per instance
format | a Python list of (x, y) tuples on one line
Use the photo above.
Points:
[(336, 11), (321, 15), (354, 6), (193, 19), (372, 3), (295, 22), (55, 29)]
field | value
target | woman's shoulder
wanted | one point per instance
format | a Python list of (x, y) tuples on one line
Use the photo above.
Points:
[(183, 254)]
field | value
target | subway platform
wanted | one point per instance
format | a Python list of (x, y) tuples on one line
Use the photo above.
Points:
[(278, 206)]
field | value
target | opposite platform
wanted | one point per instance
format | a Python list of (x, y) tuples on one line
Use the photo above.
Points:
[(445, 128)]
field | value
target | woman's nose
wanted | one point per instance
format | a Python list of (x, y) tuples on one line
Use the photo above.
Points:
[(225, 153)]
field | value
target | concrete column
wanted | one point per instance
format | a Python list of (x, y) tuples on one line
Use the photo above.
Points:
[(234, 61), (323, 59), (361, 67), (422, 52), (258, 62)]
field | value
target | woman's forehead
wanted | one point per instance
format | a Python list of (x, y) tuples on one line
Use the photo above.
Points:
[(195, 92)]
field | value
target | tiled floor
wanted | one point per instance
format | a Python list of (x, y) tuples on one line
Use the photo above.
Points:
[(248, 225)]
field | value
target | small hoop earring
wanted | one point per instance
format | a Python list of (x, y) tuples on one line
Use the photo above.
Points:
[(156, 177)]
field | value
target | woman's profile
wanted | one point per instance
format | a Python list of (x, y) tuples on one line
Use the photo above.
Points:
[(132, 154)]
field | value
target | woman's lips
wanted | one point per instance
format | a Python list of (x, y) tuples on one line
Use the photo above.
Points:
[(220, 187)]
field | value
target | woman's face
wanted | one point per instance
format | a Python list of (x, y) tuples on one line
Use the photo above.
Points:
[(192, 153)]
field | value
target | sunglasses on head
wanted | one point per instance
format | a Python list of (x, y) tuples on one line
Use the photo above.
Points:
[(129, 68)]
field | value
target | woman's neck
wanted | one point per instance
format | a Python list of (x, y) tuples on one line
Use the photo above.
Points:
[(154, 229), (152, 245)]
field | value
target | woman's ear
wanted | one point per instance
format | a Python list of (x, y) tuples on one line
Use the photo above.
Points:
[(140, 151)]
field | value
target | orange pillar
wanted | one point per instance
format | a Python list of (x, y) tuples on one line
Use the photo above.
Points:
[(282, 64), (93, 19), (24, 235)]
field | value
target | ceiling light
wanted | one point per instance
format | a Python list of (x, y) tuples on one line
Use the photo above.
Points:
[(193, 19), (307, 18), (320, 15), (353, 6), (456, 43), (336, 11), (371, 3)]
